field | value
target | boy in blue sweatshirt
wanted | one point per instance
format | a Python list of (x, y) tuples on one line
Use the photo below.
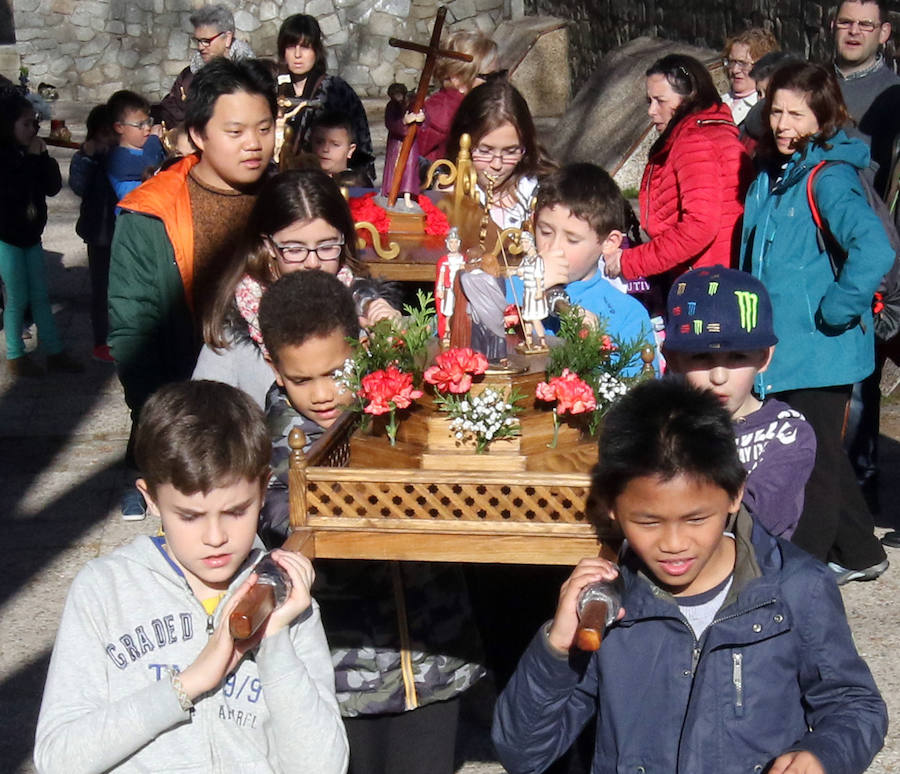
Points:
[(731, 652), (138, 148)]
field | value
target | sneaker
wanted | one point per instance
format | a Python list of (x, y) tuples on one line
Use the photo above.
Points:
[(843, 575), (102, 354), (134, 507), (63, 362), (25, 367), (891, 539)]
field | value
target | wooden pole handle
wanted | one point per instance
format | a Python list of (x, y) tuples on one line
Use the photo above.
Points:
[(593, 624), (251, 611)]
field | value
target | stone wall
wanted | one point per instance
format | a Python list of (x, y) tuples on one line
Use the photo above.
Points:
[(90, 48), (600, 25)]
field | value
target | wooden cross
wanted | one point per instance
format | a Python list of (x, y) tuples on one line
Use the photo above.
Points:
[(432, 51)]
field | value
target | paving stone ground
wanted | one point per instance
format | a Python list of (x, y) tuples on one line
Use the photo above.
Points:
[(61, 445)]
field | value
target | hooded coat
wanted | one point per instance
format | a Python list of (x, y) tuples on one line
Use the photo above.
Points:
[(823, 322)]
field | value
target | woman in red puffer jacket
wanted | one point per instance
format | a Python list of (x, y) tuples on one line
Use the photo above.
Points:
[(697, 173)]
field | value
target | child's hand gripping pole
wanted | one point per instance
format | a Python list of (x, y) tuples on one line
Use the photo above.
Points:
[(272, 587), (598, 607)]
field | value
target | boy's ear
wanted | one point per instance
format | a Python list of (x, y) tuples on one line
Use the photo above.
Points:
[(144, 489), (736, 502), (196, 138), (351, 150), (612, 242), (268, 359), (768, 359)]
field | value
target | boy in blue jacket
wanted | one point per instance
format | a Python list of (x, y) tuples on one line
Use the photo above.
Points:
[(732, 651)]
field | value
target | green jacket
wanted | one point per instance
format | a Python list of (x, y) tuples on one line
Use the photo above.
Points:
[(152, 334)]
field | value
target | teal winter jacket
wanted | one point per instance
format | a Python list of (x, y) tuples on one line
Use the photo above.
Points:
[(823, 323)]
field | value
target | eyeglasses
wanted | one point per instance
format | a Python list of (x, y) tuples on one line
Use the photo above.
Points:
[(207, 42), (294, 252), (738, 64), (147, 123), (865, 25), (486, 155)]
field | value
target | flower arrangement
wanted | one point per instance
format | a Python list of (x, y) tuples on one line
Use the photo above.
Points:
[(364, 208), (585, 373), (386, 391), (482, 418)]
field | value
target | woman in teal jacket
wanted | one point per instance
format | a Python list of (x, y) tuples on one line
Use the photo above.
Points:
[(823, 321)]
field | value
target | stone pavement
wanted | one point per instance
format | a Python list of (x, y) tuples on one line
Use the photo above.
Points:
[(61, 445)]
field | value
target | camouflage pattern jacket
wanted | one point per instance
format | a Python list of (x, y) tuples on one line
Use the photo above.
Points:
[(401, 634)]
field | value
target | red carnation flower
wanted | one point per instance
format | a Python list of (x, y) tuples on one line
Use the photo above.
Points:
[(453, 370), (387, 390), (572, 394)]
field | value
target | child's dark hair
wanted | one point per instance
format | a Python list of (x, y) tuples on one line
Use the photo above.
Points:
[(334, 119), (124, 100), (665, 428), (12, 107), (590, 194), (296, 195), (226, 76), (201, 435), (304, 305), (98, 119)]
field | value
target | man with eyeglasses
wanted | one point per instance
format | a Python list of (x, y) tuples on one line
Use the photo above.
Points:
[(870, 88), (872, 93), (213, 36)]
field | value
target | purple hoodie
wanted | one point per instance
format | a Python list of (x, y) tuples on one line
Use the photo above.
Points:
[(777, 447)]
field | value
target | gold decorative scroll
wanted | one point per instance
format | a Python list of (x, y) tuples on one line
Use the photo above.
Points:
[(385, 253)]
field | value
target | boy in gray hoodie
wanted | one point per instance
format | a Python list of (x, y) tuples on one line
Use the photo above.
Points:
[(145, 675)]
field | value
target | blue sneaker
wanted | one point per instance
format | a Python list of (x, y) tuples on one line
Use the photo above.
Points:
[(134, 507), (844, 575)]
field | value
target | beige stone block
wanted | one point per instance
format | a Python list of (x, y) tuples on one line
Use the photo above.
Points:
[(382, 24), (319, 8), (267, 11), (84, 34), (92, 78), (330, 25), (60, 6), (410, 59)]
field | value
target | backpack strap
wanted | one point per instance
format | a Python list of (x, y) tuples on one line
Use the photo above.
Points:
[(825, 239)]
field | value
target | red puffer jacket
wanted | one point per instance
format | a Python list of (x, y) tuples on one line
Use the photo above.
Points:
[(692, 197)]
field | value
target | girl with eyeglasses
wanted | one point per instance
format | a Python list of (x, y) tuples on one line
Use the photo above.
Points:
[(505, 151), (300, 221), (28, 175), (302, 75)]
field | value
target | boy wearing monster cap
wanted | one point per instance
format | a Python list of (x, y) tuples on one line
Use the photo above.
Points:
[(720, 336)]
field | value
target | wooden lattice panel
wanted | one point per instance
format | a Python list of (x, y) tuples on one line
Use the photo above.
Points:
[(401, 496)]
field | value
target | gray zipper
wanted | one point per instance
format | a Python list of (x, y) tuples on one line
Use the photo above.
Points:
[(737, 677)]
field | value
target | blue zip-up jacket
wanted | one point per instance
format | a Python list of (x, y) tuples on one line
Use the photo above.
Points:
[(777, 661), (824, 325)]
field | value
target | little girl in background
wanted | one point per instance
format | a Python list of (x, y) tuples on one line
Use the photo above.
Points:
[(97, 216), (457, 79), (27, 176), (300, 221), (505, 152)]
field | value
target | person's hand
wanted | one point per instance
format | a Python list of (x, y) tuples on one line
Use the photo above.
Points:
[(37, 146), (158, 130), (301, 573), (797, 762), (565, 621), (222, 653), (556, 268), (613, 264), (414, 118), (378, 310)]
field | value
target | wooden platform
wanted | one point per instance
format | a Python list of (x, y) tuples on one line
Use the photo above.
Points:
[(355, 496)]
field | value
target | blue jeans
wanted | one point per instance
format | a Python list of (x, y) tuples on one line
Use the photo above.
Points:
[(25, 276)]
